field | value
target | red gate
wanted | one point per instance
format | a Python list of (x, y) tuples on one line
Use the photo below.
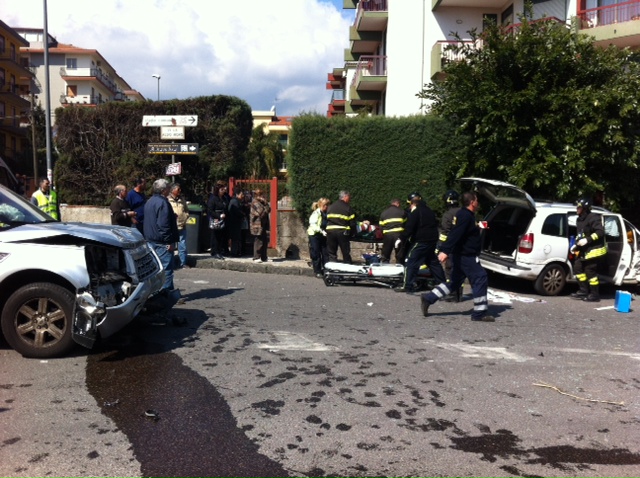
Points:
[(271, 188)]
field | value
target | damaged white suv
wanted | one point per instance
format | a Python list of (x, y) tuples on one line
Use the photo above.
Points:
[(66, 283), (530, 239)]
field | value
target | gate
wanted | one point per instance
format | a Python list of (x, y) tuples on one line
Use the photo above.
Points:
[(271, 188)]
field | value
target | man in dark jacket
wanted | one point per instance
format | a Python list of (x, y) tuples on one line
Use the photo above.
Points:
[(161, 229), (341, 226), (421, 229), (589, 248), (463, 244), (121, 213), (392, 221), (137, 200)]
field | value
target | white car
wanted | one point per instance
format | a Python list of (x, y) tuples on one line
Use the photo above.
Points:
[(531, 239), (62, 283)]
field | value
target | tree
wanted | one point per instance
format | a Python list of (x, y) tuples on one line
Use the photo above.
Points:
[(264, 154), (544, 108)]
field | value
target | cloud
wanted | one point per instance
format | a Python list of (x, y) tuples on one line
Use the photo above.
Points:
[(254, 49)]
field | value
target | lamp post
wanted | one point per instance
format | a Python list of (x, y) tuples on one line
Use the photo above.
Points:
[(157, 77)]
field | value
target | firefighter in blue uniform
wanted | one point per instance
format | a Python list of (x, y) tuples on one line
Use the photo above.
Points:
[(463, 244)]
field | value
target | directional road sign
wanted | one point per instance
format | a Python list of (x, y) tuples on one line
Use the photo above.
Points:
[(189, 120), (172, 132), (173, 148)]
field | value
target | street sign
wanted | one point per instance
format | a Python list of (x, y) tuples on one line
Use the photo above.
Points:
[(174, 169), (189, 120), (173, 148), (172, 132)]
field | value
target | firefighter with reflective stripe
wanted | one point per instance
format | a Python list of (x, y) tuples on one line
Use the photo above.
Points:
[(392, 221), (341, 226), (46, 199), (451, 199), (589, 249), (463, 244)]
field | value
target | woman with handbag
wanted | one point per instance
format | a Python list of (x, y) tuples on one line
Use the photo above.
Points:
[(259, 225), (217, 208)]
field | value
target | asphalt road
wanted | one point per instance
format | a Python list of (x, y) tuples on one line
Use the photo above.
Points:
[(279, 375)]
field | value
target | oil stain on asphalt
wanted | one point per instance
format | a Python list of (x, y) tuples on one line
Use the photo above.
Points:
[(177, 422)]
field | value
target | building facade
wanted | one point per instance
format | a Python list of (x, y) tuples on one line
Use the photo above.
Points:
[(16, 76), (397, 46)]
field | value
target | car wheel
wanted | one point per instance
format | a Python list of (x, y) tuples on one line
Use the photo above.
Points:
[(37, 320), (551, 280)]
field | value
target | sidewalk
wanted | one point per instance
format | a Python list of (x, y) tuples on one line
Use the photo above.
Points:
[(245, 264)]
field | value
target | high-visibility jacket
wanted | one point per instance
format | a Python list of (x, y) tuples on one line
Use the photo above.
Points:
[(47, 203), (392, 219), (340, 217), (589, 226)]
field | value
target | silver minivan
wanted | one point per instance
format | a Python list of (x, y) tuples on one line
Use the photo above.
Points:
[(530, 239)]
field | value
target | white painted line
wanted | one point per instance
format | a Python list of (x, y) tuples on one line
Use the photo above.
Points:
[(282, 340)]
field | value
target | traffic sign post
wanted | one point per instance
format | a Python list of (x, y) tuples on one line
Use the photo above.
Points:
[(173, 148), (188, 120)]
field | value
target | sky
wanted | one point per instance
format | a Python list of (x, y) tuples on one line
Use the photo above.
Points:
[(266, 52)]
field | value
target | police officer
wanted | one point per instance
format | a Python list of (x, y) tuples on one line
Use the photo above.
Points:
[(421, 229), (589, 248), (392, 221), (341, 225), (463, 244)]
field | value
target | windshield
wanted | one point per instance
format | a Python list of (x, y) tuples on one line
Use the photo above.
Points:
[(16, 210)]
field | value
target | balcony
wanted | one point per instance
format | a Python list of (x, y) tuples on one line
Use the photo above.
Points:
[(337, 104), (445, 52), (372, 16), (90, 100), (613, 24), (19, 63), (335, 80), (371, 73), (494, 4), (89, 74)]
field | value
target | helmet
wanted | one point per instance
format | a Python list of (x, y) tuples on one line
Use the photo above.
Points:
[(584, 203), (412, 196), (451, 197)]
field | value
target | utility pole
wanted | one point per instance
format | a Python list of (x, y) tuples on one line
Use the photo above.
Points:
[(47, 92)]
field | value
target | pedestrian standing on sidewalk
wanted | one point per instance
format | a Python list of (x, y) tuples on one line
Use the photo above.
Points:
[(181, 209), (259, 225), (463, 244)]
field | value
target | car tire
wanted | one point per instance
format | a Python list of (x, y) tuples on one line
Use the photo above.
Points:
[(37, 320), (551, 280)]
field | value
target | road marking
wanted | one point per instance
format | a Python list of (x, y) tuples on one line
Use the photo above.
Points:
[(290, 341), (488, 353), (494, 353)]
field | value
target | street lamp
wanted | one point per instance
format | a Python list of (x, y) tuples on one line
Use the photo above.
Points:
[(156, 76)]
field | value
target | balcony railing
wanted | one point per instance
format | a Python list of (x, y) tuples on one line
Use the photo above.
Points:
[(337, 95), (370, 6), (611, 14), (370, 65), (89, 73), (81, 100)]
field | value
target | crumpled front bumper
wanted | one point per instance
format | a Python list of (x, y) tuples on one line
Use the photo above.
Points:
[(91, 316)]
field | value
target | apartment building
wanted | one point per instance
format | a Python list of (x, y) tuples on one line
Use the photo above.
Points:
[(77, 76), (397, 46), (15, 78)]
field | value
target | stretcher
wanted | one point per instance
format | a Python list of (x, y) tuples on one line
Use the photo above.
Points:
[(389, 275)]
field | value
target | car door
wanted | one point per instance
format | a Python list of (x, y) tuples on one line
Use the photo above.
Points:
[(619, 254), (633, 242)]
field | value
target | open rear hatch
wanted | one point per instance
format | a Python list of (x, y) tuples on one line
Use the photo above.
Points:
[(508, 211)]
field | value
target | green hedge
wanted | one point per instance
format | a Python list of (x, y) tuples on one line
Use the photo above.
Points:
[(101, 147), (375, 158)]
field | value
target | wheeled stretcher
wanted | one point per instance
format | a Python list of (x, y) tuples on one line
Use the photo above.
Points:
[(389, 275)]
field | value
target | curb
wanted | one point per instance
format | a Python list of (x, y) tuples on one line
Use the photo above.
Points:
[(278, 266)]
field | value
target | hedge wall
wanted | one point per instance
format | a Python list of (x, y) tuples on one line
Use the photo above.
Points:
[(101, 147), (375, 158)]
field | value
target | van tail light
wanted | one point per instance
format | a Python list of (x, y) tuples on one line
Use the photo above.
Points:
[(525, 246)]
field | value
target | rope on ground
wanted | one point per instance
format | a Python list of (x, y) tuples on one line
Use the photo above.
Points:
[(546, 385)]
